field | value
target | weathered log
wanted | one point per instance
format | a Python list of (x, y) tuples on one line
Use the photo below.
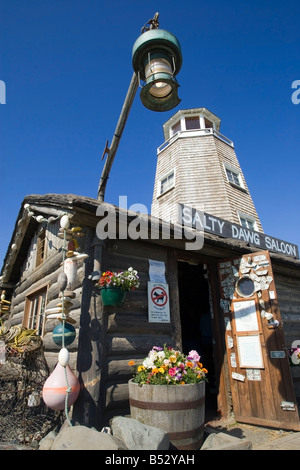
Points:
[(139, 343)]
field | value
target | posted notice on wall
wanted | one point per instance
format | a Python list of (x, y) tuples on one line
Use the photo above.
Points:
[(157, 271), (158, 302), (249, 350)]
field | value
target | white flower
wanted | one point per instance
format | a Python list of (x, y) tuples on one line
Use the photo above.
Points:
[(161, 354), (148, 363)]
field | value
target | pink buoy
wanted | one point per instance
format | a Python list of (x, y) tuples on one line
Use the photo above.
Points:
[(55, 388)]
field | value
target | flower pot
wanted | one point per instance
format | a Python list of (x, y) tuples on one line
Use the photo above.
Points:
[(113, 296), (177, 409)]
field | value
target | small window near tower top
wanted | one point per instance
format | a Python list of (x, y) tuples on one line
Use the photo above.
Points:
[(176, 128), (208, 124), (192, 122), (234, 176), (166, 183)]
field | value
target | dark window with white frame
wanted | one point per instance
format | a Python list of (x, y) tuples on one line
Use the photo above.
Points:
[(166, 182), (192, 122), (234, 176), (248, 222), (176, 128)]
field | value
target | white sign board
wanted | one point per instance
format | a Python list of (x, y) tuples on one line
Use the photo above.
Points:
[(245, 315), (250, 355), (158, 302), (157, 271)]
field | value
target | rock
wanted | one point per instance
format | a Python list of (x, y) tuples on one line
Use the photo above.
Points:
[(222, 441), (83, 438), (139, 436), (47, 442)]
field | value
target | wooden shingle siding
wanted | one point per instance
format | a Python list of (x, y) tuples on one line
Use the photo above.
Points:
[(201, 181)]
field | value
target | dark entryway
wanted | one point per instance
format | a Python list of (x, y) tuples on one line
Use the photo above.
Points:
[(196, 322)]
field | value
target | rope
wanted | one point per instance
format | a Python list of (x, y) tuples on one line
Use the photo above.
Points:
[(69, 389)]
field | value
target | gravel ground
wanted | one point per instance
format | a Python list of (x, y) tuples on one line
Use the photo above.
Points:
[(256, 434)]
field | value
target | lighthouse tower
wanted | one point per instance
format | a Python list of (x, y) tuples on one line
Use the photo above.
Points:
[(197, 166)]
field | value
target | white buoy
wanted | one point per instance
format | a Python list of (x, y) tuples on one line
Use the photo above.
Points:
[(65, 222), (63, 357)]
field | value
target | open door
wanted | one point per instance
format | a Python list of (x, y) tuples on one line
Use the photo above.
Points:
[(260, 378)]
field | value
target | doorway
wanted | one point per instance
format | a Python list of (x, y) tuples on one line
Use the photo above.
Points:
[(196, 323)]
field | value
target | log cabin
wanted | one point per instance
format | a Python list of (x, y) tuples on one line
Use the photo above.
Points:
[(232, 292)]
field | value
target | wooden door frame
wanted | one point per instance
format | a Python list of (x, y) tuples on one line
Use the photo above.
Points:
[(276, 371)]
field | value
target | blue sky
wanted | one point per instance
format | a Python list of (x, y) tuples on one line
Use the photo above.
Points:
[(66, 65)]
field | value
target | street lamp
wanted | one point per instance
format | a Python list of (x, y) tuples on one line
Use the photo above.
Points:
[(156, 60)]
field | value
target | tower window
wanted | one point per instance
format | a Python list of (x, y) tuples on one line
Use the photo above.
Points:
[(192, 122), (234, 176), (176, 128), (208, 124), (166, 183), (248, 222)]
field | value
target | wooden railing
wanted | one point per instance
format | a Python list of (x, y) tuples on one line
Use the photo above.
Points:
[(194, 132)]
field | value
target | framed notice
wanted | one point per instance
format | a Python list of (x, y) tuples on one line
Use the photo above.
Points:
[(158, 302), (245, 316), (249, 352)]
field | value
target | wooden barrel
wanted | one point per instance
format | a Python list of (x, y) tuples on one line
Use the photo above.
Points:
[(177, 409)]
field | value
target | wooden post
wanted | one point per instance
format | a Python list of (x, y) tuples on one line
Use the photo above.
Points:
[(88, 409)]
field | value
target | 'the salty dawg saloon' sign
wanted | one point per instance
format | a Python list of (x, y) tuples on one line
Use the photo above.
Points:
[(188, 216)]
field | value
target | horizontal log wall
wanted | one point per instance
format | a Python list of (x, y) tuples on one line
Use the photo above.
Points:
[(33, 278), (129, 335)]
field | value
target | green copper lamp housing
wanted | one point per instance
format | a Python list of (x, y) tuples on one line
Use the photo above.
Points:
[(157, 59)]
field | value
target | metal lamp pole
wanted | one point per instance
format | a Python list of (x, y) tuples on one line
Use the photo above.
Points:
[(111, 152), (158, 48)]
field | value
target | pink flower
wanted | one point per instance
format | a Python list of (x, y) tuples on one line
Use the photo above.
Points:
[(194, 356), (172, 371)]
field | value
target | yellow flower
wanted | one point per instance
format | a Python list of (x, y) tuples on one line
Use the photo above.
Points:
[(172, 359), (161, 370), (141, 368)]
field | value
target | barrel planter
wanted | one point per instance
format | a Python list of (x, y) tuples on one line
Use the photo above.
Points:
[(177, 409), (113, 296)]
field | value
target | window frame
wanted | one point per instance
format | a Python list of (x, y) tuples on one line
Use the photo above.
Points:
[(176, 127), (236, 172), (34, 311), (41, 247), (248, 218), (195, 119), (160, 183)]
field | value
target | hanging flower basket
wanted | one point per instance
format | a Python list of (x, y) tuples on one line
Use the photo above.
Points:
[(114, 285), (113, 296)]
